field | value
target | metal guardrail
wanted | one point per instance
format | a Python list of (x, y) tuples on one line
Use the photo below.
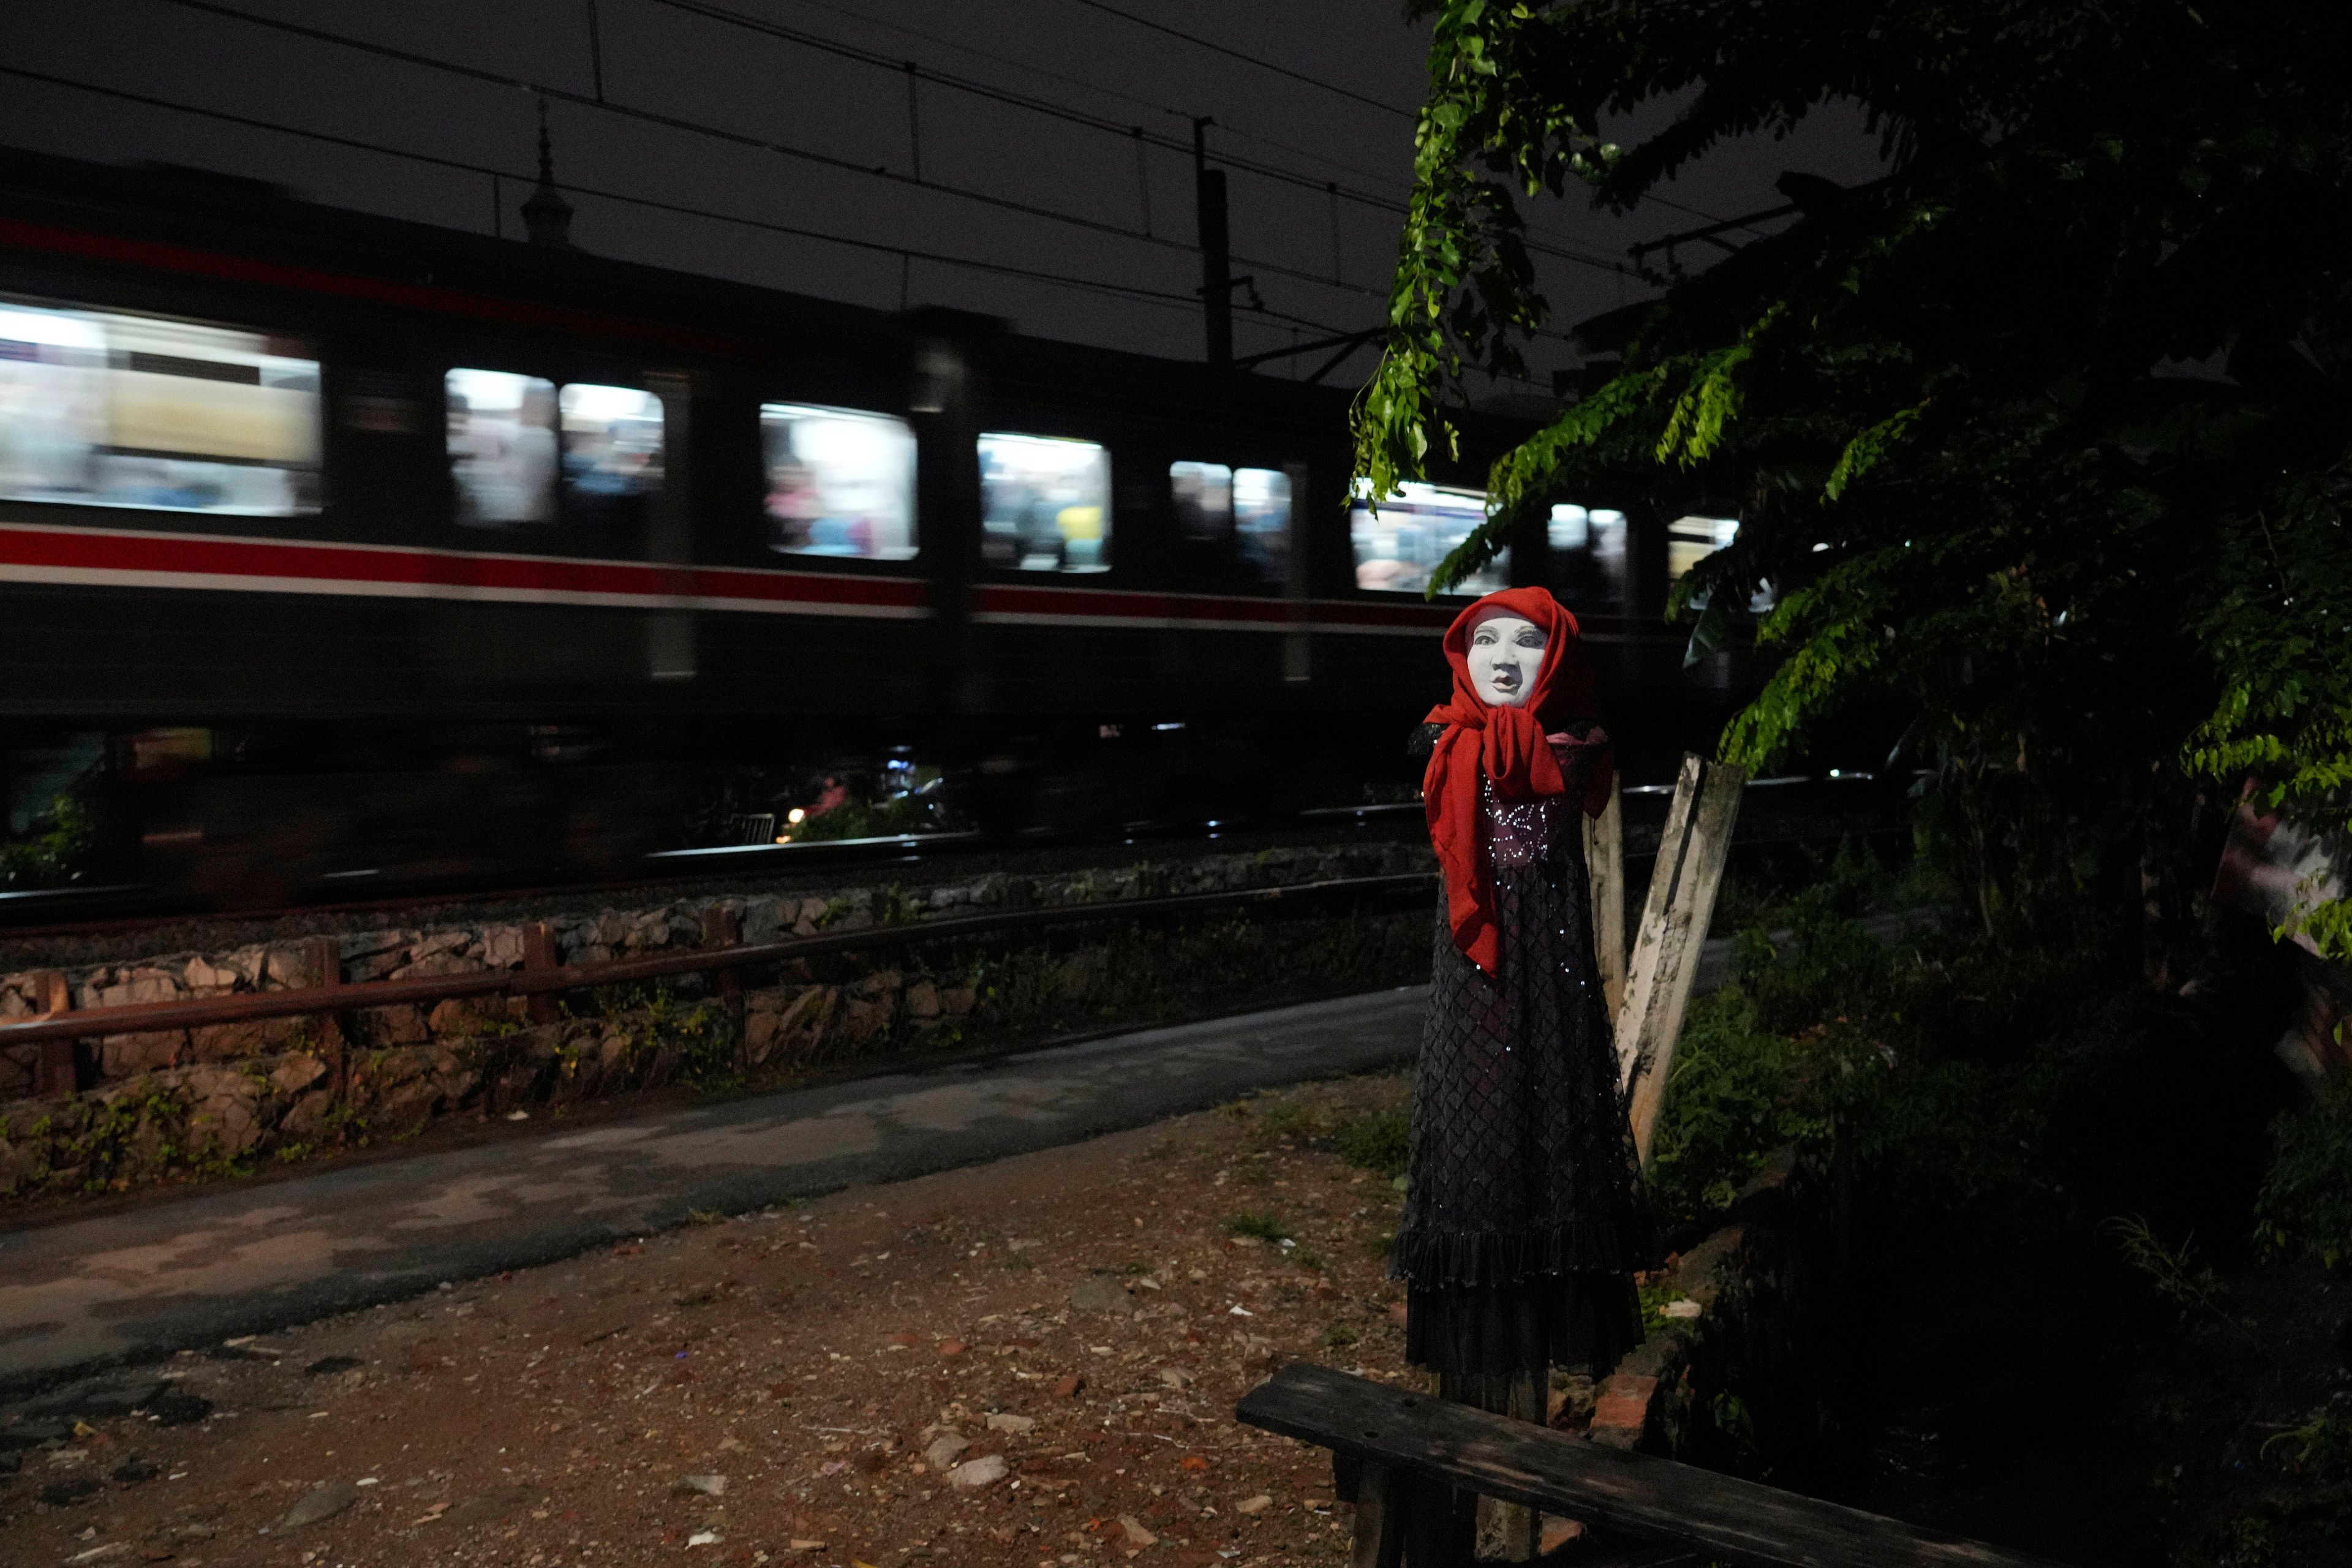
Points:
[(542, 977)]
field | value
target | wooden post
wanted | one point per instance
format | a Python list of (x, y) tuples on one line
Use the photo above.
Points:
[(538, 955), (1674, 918), (56, 1073), (721, 927), (326, 965), (1604, 862), (1380, 1527)]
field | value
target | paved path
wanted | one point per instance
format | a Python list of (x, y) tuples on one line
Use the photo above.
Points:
[(238, 1261)]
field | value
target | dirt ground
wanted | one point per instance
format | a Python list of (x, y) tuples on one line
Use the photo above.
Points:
[(1033, 1361)]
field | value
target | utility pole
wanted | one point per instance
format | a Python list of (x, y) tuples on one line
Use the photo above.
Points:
[(1216, 265)]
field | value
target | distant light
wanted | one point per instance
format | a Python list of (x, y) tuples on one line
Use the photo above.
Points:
[(1835, 774), (1819, 548), (795, 817), (1213, 822), (1178, 725), (784, 838)]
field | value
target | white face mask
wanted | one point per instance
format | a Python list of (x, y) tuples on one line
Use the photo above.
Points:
[(1507, 652)]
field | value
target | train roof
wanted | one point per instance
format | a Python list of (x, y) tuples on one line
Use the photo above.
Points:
[(158, 211)]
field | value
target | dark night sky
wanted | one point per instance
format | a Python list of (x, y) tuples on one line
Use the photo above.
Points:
[(667, 60)]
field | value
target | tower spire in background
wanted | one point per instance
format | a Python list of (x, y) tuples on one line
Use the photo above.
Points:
[(547, 216)]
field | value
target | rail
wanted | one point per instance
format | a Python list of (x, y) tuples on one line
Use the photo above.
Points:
[(542, 978)]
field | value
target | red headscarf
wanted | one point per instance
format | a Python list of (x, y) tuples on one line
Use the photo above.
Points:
[(1509, 746)]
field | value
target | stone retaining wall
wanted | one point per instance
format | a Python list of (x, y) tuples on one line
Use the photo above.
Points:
[(217, 1098)]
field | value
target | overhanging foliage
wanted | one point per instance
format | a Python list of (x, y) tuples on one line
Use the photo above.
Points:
[(2042, 432)]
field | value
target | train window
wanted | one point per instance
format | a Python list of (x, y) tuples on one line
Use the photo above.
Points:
[(839, 482), (612, 458), (1588, 552), (1203, 494), (1691, 540), (502, 447), (1044, 503), (98, 409), (1242, 515), (1397, 547)]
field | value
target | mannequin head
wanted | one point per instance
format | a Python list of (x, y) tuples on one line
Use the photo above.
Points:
[(1505, 654)]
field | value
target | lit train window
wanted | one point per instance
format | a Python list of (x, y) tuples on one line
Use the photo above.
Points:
[(1044, 503), (1691, 540), (1588, 548), (839, 482), (502, 447), (98, 409), (612, 458), (1397, 548), (1245, 510)]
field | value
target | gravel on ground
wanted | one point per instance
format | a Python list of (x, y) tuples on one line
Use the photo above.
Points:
[(1029, 1363)]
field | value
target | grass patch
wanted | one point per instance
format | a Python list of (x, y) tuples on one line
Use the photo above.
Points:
[(1339, 1336), (1378, 1141), (1264, 1227)]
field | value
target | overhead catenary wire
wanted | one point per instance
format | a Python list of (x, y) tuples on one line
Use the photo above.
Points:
[(673, 123), (1028, 274), (1247, 58), (850, 166), (728, 16)]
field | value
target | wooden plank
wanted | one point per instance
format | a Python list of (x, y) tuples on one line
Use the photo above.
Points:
[(1641, 972), (1674, 918), (1637, 1495), (56, 1071), (1604, 861)]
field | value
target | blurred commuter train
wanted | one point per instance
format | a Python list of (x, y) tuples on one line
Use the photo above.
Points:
[(333, 546)]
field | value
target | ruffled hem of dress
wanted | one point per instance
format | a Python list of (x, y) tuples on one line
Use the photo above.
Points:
[(1455, 1259)]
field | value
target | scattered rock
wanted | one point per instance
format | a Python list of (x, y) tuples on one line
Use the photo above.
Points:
[(951, 1348), (1257, 1504), (1069, 1386), (71, 1490), (178, 1409), (709, 1486), (499, 1502), (134, 1468), (324, 1500), (986, 1471), (1137, 1536), (807, 1545), (1100, 1293), (1015, 1424), (943, 1450), (1175, 1378), (96, 1402), (329, 1365), (105, 1553)]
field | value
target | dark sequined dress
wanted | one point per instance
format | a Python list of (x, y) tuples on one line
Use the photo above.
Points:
[(1523, 1219)]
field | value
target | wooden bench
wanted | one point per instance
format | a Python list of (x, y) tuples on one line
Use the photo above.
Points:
[(1413, 1463)]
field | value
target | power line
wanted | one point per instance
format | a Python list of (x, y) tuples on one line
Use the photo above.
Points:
[(1126, 290), (739, 139), (1084, 85), (1200, 42), (728, 17)]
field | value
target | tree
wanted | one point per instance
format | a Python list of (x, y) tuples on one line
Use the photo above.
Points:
[(2043, 432)]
